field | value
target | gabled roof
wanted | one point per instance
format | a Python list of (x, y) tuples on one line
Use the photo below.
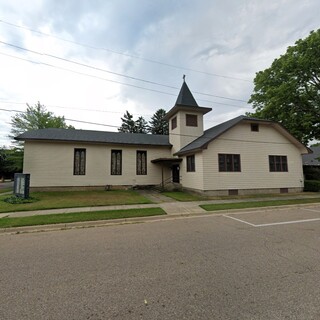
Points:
[(186, 102), (312, 159), (214, 132), (89, 136)]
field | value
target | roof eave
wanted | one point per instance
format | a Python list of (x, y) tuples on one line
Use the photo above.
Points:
[(180, 107), (183, 153), (94, 142)]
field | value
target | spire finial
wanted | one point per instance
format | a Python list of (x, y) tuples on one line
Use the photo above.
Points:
[(184, 78)]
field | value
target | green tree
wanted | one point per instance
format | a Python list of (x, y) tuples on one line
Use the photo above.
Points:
[(141, 125), (11, 161), (3, 158), (132, 126), (128, 124), (157, 124), (35, 117), (289, 91)]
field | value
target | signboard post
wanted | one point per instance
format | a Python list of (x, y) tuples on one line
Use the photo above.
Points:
[(21, 185)]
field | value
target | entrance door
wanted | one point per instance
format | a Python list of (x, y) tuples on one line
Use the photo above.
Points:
[(176, 173)]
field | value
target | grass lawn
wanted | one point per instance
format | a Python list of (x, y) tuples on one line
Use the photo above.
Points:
[(70, 199), (79, 216), (187, 196), (5, 190), (256, 204)]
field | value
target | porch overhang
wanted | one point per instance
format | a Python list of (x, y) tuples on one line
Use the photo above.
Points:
[(167, 161)]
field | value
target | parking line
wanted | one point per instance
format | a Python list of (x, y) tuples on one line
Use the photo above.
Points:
[(233, 218), (286, 222), (271, 224), (313, 210)]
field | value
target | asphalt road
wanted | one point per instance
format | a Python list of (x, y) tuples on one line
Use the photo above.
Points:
[(7, 184), (211, 267)]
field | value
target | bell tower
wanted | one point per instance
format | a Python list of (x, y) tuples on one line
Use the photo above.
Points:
[(185, 119)]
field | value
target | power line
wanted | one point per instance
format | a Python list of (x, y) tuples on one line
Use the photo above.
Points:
[(124, 54), (86, 74), (111, 72), (113, 81), (87, 122), (176, 134), (78, 109)]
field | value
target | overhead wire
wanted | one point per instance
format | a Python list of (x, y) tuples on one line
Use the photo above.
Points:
[(176, 134), (74, 120), (111, 72), (104, 79), (109, 80), (122, 53)]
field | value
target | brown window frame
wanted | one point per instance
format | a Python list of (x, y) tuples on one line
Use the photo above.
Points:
[(116, 164), (278, 163), (79, 162), (173, 123), (191, 163), (191, 120), (229, 162), (141, 162), (254, 127)]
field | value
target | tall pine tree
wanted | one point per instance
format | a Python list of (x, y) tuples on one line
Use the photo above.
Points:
[(157, 124), (141, 125), (128, 124)]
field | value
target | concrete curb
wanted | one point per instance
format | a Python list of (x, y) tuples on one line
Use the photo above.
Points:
[(89, 224)]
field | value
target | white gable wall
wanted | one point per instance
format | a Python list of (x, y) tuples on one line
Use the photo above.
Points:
[(51, 165), (254, 149)]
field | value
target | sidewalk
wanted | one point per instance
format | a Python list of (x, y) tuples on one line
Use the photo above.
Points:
[(169, 205)]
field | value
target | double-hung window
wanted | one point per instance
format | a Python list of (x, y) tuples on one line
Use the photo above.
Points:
[(191, 165), (278, 163), (79, 162), (229, 162), (116, 162), (141, 162)]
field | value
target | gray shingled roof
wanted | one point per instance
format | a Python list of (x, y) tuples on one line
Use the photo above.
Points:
[(312, 159), (214, 133), (106, 137)]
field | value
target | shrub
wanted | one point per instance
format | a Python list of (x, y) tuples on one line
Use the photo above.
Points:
[(19, 200), (311, 173), (312, 185)]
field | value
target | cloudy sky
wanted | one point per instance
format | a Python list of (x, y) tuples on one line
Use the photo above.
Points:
[(91, 61)]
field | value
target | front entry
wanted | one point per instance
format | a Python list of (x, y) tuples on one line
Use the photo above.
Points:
[(175, 173)]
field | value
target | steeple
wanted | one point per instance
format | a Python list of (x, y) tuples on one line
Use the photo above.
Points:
[(186, 101), (185, 96)]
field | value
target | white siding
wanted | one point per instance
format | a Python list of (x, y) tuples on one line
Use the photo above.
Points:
[(51, 164), (192, 180), (254, 149)]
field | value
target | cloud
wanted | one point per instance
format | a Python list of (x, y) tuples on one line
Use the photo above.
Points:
[(148, 40)]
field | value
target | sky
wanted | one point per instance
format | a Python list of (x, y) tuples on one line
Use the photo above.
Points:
[(90, 61)]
